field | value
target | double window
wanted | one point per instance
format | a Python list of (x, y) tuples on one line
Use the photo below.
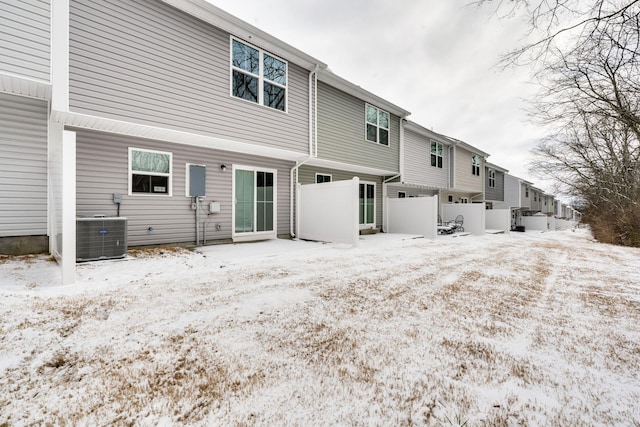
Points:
[(320, 178), (257, 76), (475, 165), (492, 178), (436, 154), (149, 171), (377, 125)]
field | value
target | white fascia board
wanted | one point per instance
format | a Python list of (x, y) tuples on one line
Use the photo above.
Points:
[(349, 167), (24, 86), (328, 77), (427, 133), (217, 17), (466, 146), (496, 167), (175, 136)]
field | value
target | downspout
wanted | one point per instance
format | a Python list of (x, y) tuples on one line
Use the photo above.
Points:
[(293, 178)]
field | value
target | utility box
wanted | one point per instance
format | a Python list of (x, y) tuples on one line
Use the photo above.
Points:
[(214, 207), (197, 180)]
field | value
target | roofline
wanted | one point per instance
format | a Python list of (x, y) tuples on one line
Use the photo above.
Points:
[(466, 146), (428, 133), (327, 76), (496, 167), (217, 17)]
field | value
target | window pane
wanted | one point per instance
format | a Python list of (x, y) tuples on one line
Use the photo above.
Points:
[(440, 162), (246, 57), (141, 183), (433, 160), (434, 147), (372, 115), (245, 86), (274, 96), (372, 133), (384, 136), (370, 203), (144, 161), (160, 184), (439, 149), (384, 120), (275, 70)]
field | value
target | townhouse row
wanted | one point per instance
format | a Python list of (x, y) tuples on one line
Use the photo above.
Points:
[(190, 122)]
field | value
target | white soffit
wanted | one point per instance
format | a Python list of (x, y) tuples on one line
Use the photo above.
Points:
[(169, 135), (330, 164), (22, 86)]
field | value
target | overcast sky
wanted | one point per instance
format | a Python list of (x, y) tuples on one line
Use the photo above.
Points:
[(434, 58)]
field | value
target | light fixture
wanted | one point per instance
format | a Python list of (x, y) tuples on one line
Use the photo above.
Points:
[(223, 168)]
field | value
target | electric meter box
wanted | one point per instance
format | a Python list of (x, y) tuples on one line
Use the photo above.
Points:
[(197, 180)]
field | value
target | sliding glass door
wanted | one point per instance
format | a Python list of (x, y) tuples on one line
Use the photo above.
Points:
[(255, 206)]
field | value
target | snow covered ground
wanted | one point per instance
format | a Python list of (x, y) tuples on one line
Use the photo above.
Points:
[(525, 328)]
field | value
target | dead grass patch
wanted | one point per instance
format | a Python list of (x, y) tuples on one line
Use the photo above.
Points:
[(158, 251)]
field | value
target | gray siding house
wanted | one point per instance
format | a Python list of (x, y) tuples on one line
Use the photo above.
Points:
[(425, 165), (157, 86), (494, 184), (467, 169), (25, 91), (358, 134)]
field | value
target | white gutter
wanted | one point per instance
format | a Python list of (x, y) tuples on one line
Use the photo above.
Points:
[(312, 137)]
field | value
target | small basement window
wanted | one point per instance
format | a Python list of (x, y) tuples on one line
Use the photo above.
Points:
[(150, 171)]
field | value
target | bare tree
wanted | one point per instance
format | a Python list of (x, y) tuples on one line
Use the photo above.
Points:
[(587, 59)]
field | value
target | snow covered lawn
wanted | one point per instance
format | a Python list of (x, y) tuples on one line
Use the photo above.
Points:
[(525, 328)]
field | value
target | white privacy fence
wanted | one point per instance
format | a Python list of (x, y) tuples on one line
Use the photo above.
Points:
[(413, 215), (535, 222), (498, 219), (328, 212), (473, 214)]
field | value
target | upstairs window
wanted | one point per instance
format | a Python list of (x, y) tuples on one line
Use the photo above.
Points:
[(492, 178), (526, 192), (475, 165), (377, 126), (257, 76), (436, 154), (149, 172)]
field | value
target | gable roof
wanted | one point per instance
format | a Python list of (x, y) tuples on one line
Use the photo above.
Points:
[(421, 130), (496, 167)]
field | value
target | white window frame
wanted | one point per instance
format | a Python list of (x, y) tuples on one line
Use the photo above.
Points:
[(432, 153), (254, 235), (187, 176), (131, 171), (492, 178), (404, 194), (324, 175), (463, 200), (260, 77), (377, 125), (475, 165)]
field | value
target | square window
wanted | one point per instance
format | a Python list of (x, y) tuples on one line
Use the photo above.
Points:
[(257, 76), (149, 172)]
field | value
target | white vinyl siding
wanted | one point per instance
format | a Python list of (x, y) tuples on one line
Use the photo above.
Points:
[(23, 166), (465, 180), (417, 162)]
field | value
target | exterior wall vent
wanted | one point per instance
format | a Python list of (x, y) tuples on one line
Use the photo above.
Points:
[(101, 238)]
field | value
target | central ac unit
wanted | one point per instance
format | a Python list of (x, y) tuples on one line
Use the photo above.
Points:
[(101, 238)]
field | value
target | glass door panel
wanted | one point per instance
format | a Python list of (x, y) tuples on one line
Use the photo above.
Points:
[(244, 201), (264, 201), (367, 204)]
